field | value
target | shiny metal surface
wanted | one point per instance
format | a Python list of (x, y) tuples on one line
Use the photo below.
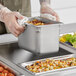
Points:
[(68, 47), (14, 68), (24, 64), (5, 64), (12, 54), (41, 39), (16, 55), (7, 39), (68, 28)]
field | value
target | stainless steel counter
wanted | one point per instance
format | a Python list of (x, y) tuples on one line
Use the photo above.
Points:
[(16, 55), (12, 54)]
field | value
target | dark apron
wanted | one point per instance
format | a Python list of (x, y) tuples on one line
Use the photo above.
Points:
[(22, 6)]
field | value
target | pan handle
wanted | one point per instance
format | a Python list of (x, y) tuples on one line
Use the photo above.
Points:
[(23, 21)]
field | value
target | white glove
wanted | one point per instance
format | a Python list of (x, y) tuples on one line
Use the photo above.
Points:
[(48, 16), (46, 9), (3, 10), (10, 20)]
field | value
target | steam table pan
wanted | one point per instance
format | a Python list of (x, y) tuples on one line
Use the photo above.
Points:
[(40, 39), (12, 70), (59, 72)]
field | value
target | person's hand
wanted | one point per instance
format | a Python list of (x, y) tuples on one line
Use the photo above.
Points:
[(46, 9), (10, 20)]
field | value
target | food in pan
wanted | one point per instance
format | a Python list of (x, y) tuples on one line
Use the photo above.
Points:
[(69, 38), (36, 22), (51, 64), (4, 71)]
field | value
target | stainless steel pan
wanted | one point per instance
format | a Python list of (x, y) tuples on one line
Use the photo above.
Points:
[(40, 39), (11, 69), (49, 73)]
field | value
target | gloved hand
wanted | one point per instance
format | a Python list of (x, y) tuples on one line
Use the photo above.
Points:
[(10, 20), (46, 9)]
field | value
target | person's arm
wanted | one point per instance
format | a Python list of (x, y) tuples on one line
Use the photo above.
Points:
[(46, 9), (10, 20), (3, 10)]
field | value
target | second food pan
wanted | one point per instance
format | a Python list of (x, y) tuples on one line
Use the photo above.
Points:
[(42, 38), (6, 70), (59, 72), (68, 42), (68, 47)]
